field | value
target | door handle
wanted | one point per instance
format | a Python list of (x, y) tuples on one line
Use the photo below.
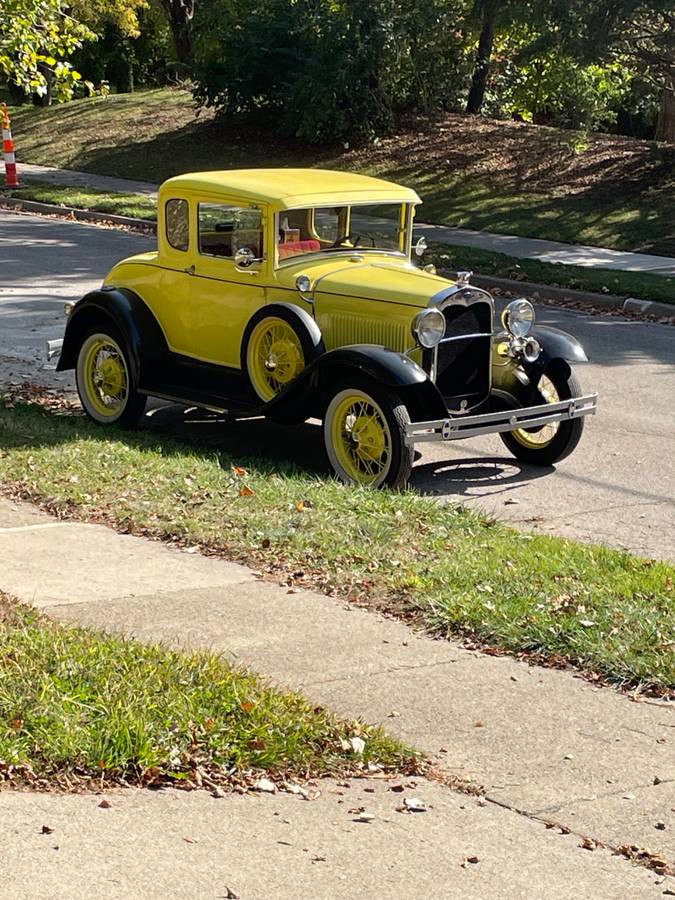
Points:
[(190, 270)]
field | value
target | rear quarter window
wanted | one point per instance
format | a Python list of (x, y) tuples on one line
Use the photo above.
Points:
[(177, 224)]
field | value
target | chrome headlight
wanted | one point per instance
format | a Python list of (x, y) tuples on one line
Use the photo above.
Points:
[(518, 317), (428, 327)]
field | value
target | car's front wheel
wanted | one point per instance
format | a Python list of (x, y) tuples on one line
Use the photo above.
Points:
[(550, 443), (364, 431), (104, 379)]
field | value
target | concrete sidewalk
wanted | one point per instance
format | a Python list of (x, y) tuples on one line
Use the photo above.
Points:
[(512, 245), (545, 745)]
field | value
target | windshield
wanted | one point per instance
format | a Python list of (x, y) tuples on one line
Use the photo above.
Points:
[(377, 226)]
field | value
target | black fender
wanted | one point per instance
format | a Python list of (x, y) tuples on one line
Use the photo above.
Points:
[(127, 312), (557, 344), (558, 351), (316, 384), (307, 329)]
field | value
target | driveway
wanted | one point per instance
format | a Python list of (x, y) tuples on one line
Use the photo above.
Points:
[(618, 488)]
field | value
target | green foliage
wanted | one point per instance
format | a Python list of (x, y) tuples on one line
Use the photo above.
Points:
[(327, 69), (37, 37)]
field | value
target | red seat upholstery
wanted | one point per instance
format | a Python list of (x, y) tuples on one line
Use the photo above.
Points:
[(293, 248)]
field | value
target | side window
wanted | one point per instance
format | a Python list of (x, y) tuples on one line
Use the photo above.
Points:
[(177, 224), (225, 229)]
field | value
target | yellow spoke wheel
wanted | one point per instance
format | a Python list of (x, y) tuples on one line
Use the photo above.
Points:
[(365, 438), (274, 356), (554, 441), (104, 381), (538, 438)]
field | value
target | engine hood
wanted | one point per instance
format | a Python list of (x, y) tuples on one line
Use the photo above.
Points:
[(383, 279)]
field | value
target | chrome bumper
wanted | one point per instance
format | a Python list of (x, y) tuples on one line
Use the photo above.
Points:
[(459, 427), (54, 349)]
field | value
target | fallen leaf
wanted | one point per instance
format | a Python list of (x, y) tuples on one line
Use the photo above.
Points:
[(104, 804), (238, 471), (47, 829), (357, 744), (589, 844), (364, 817), (246, 491), (247, 705), (265, 785), (413, 804)]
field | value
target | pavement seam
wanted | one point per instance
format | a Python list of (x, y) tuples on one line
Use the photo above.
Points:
[(607, 796), (637, 855), (387, 671)]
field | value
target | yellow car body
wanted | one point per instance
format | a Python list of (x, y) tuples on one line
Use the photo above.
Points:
[(293, 292)]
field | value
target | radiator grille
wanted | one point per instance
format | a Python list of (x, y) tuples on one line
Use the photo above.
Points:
[(347, 329), (463, 366)]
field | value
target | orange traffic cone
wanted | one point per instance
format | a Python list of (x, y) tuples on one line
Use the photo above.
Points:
[(8, 151)]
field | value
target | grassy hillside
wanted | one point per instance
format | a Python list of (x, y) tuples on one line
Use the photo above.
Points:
[(507, 177)]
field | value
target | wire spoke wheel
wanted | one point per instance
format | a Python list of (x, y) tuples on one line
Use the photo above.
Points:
[(365, 437), (548, 444), (104, 381), (106, 377), (538, 438), (274, 357), (362, 439)]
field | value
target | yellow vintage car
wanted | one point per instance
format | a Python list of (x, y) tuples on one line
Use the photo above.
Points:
[(292, 293)]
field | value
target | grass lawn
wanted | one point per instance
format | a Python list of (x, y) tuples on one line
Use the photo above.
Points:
[(456, 572), (485, 262), (135, 205), (507, 177), (77, 706)]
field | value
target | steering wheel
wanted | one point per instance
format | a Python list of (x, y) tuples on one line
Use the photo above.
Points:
[(341, 241)]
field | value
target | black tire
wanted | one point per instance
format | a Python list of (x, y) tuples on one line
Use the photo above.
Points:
[(309, 346), (568, 434), (124, 410), (388, 417)]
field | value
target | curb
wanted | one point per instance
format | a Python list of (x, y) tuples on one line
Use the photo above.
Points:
[(548, 292), (81, 215)]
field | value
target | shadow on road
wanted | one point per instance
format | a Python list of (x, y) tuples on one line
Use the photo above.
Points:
[(302, 446), (458, 477)]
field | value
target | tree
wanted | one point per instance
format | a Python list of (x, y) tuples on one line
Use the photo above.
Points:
[(37, 37), (180, 14), (642, 31), (486, 11)]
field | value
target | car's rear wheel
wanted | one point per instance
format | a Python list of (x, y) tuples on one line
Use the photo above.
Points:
[(550, 443), (104, 379), (364, 431)]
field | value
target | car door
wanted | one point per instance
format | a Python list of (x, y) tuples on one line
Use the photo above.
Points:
[(224, 295)]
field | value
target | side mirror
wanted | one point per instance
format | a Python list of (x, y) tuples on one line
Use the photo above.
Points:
[(421, 247), (244, 258)]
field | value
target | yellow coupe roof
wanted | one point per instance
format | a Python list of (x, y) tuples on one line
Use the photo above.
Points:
[(289, 188)]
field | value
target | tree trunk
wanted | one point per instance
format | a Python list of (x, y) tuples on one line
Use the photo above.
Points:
[(665, 126), (179, 14), (482, 68)]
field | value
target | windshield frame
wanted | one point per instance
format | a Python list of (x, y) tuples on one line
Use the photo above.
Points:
[(314, 255)]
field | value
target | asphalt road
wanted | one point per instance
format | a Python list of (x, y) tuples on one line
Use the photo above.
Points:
[(618, 488)]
